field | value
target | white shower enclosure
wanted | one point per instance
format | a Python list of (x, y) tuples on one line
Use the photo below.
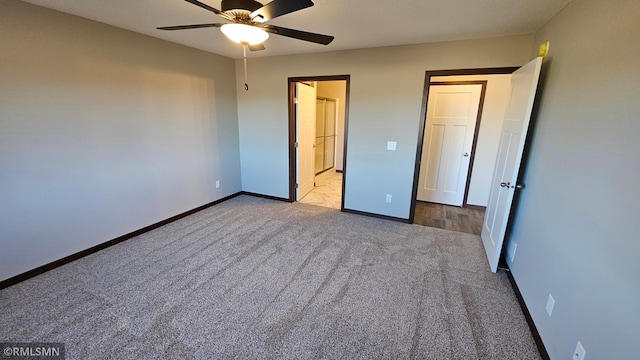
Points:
[(325, 146)]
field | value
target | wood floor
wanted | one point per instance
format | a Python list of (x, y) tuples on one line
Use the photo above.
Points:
[(466, 220)]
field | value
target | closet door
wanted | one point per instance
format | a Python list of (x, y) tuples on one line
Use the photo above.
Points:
[(320, 131), (330, 134)]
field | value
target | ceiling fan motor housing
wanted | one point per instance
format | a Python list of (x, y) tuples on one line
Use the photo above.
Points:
[(249, 5), (252, 14)]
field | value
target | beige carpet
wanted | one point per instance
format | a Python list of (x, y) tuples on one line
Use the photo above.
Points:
[(254, 278)]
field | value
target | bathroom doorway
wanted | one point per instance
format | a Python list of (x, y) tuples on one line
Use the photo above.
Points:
[(330, 107)]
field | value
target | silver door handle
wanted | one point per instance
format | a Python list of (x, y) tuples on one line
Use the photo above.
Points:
[(509, 186)]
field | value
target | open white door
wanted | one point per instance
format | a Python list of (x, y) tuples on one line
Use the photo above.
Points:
[(305, 138), (452, 113), (514, 131)]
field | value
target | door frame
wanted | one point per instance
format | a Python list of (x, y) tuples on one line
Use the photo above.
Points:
[(293, 170), (423, 118)]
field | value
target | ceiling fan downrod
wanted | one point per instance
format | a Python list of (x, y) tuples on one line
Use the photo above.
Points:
[(244, 58)]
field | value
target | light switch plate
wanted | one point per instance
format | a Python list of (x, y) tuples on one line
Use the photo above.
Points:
[(550, 304), (391, 145)]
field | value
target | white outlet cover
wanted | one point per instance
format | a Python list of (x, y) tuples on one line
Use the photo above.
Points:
[(388, 199), (550, 303), (579, 353)]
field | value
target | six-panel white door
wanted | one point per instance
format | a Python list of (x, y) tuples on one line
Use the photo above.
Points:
[(452, 113), (514, 131)]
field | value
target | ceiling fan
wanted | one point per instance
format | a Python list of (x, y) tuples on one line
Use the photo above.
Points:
[(247, 21)]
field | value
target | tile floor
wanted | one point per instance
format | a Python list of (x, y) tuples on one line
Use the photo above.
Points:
[(328, 190)]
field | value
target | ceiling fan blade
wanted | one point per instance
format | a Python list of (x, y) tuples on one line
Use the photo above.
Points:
[(213, 10), (257, 47), (278, 8), (300, 35), (194, 26)]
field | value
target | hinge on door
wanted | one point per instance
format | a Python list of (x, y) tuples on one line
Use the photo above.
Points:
[(296, 144), (296, 186), (295, 100)]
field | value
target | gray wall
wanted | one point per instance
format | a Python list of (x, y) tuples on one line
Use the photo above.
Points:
[(576, 224), (103, 132), (385, 101)]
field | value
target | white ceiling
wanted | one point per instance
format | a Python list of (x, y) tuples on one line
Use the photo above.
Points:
[(354, 23)]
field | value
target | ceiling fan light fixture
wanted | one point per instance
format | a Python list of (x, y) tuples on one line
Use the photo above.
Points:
[(244, 34)]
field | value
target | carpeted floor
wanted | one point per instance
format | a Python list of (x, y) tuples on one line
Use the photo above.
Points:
[(255, 278)]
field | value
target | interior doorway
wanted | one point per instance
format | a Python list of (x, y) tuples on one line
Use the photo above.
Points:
[(318, 151), (476, 158)]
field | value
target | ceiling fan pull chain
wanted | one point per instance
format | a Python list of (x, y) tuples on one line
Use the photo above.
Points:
[(246, 82)]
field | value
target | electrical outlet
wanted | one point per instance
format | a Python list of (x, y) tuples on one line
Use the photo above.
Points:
[(388, 198), (217, 184), (579, 353), (550, 303)]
